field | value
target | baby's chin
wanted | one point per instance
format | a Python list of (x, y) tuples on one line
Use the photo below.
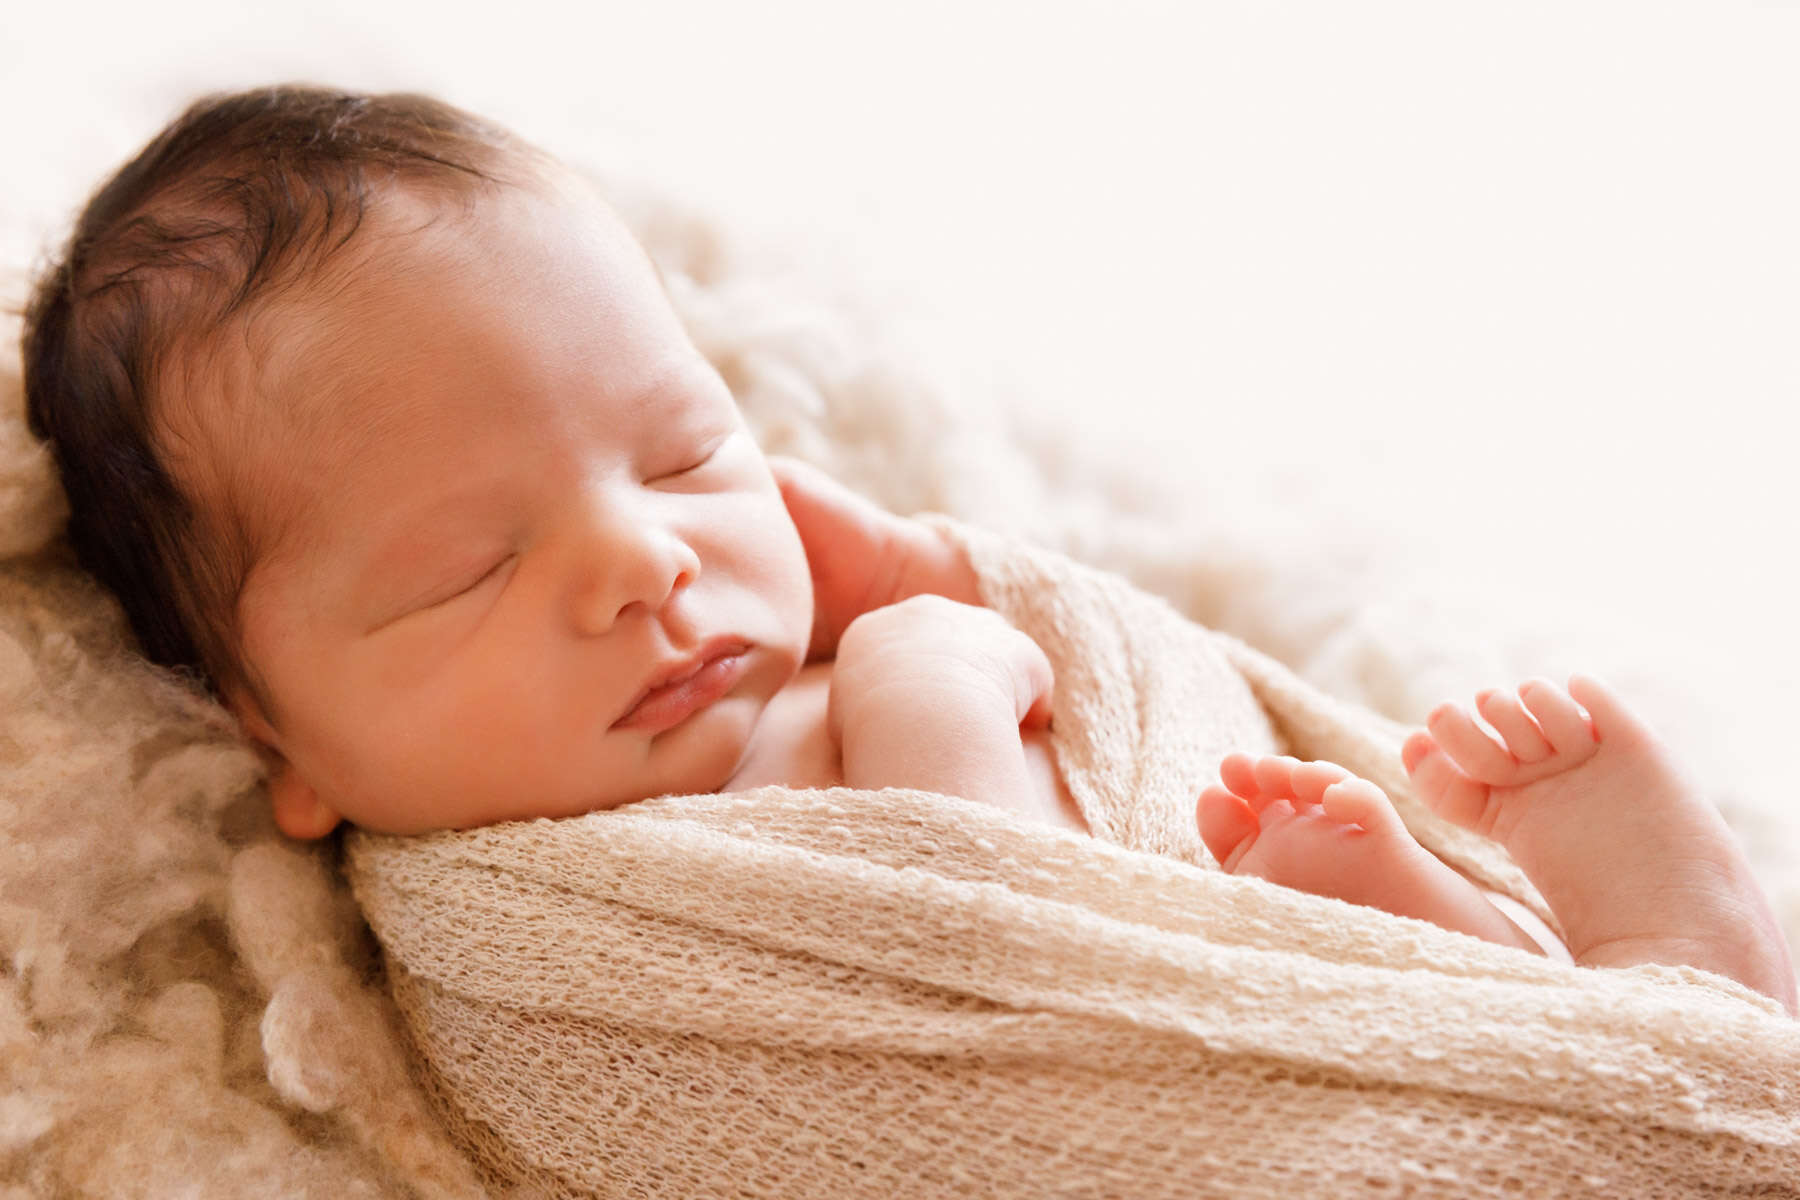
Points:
[(700, 756)]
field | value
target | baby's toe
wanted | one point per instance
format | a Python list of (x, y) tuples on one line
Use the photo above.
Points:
[(1356, 801), (1310, 779), (1521, 734), (1275, 775), (1564, 725), (1227, 825), (1415, 748), (1471, 749), (1611, 719), (1238, 772)]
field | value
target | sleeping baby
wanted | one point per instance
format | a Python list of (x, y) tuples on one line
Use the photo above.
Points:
[(378, 420)]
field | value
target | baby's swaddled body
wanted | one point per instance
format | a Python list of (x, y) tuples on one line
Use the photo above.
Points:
[(841, 992)]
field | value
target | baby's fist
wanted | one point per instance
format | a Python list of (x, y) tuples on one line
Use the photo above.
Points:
[(928, 651)]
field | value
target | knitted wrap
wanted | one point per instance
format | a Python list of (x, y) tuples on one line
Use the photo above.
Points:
[(847, 993)]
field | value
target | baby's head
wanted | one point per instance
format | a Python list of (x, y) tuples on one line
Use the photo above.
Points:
[(380, 422)]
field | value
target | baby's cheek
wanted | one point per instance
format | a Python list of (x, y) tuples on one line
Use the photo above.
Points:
[(789, 587)]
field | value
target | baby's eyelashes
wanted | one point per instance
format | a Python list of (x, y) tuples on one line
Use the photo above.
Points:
[(491, 574), (466, 586), (707, 453)]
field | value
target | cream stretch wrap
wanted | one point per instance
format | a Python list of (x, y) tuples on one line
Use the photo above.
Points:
[(845, 993)]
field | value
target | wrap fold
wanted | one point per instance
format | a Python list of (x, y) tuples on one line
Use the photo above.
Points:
[(846, 993)]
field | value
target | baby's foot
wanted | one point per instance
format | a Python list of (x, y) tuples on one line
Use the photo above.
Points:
[(1637, 866), (1316, 827)]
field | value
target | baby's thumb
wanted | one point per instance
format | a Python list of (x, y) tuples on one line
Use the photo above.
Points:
[(1039, 687), (1038, 715)]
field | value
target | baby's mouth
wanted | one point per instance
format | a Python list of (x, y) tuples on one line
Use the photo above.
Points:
[(679, 690)]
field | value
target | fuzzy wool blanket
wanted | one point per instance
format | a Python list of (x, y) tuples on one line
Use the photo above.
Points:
[(192, 1006), (845, 993)]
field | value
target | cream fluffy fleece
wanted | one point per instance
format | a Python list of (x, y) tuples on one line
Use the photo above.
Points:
[(189, 1005)]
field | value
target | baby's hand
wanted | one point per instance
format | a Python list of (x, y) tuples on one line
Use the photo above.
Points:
[(927, 649), (930, 694), (862, 557)]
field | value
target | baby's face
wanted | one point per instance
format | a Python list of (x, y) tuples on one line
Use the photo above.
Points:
[(524, 559)]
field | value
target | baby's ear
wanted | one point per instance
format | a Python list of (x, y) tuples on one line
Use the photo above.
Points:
[(299, 812)]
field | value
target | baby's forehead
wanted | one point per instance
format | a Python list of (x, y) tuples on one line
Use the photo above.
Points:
[(356, 349), (409, 244), (275, 365)]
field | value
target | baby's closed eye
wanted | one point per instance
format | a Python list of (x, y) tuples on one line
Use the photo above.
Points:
[(699, 454), (467, 585), (489, 574), (695, 461)]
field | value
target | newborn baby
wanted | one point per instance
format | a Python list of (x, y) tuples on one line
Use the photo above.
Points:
[(379, 421)]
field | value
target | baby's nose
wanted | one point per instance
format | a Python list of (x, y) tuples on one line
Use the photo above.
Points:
[(628, 563)]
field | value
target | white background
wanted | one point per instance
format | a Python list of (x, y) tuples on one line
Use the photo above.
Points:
[(1516, 284)]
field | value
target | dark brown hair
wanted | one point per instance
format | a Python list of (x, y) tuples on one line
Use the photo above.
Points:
[(240, 198)]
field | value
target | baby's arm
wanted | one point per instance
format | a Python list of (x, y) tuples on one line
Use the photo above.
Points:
[(931, 694)]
